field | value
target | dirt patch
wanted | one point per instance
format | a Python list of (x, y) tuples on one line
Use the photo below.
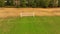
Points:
[(7, 12)]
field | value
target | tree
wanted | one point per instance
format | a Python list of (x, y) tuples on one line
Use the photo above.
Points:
[(9, 2), (32, 3), (59, 3), (55, 3), (47, 3), (1, 3), (44, 3), (37, 3), (23, 3)]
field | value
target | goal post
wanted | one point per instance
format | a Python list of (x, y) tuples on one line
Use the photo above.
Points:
[(33, 14), (21, 14)]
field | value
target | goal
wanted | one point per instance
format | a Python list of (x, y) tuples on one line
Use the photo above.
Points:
[(27, 14)]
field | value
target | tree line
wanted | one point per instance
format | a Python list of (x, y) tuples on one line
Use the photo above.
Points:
[(30, 3)]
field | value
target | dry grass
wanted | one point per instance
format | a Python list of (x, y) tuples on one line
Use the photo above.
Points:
[(7, 12)]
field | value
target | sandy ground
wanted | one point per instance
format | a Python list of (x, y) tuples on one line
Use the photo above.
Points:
[(7, 12)]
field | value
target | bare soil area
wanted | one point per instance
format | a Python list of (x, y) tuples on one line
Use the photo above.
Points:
[(7, 12)]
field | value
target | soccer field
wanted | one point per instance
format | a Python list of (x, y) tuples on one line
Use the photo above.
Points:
[(30, 25)]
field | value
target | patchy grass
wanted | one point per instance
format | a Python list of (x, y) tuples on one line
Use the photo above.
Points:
[(30, 25)]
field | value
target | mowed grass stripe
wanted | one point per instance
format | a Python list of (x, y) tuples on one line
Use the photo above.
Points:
[(30, 25)]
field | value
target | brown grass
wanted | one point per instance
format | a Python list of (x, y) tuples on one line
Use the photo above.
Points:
[(7, 12)]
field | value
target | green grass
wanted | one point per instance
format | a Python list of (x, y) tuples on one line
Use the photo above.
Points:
[(30, 25)]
